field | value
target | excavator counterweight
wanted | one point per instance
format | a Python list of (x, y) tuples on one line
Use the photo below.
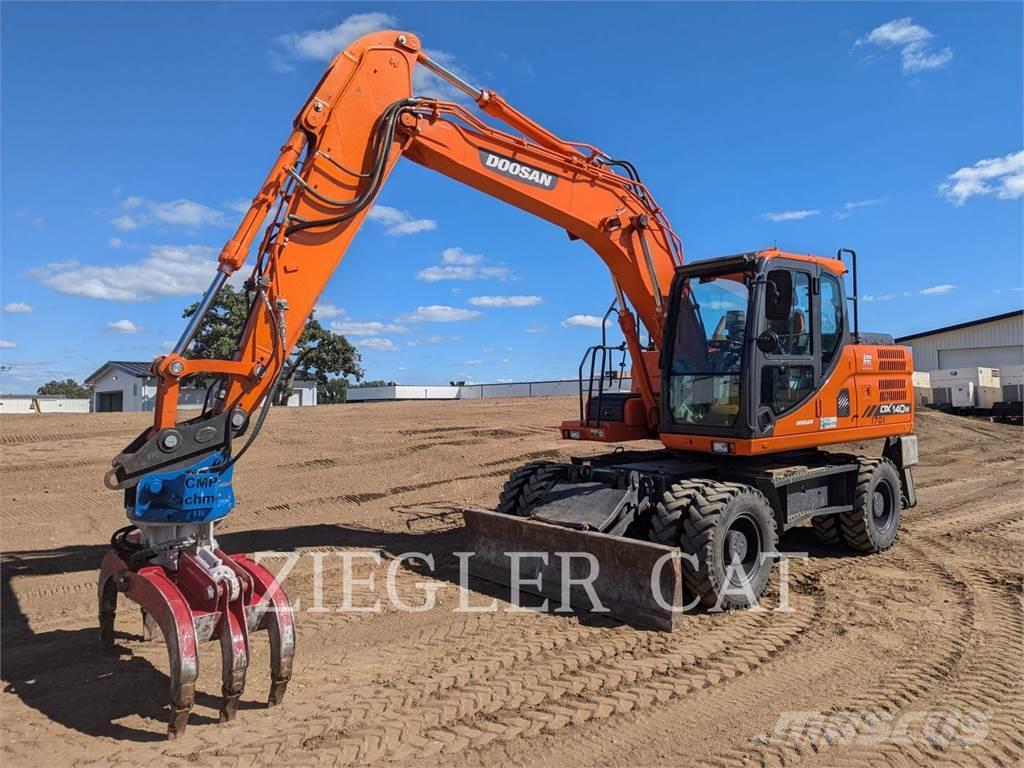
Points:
[(743, 366)]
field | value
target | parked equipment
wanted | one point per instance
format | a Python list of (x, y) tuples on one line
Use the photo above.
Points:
[(966, 391), (1010, 408), (752, 365)]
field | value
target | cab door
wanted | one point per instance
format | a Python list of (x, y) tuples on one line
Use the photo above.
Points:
[(787, 364)]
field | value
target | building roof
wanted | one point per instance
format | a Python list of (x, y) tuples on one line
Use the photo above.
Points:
[(958, 326), (138, 369)]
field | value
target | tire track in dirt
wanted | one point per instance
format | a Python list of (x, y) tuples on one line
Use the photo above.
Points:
[(988, 684), (913, 679), (593, 675)]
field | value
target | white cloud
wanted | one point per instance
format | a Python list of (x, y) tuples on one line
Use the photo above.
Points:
[(438, 313), (937, 290), (505, 301), (168, 270), (167, 346), (137, 212), (352, 328), (381, 345), (398, 223), (36, 221), (115, 242), (456, 264), (326, 310), (238, 205), (325, 44), (914, 42), (472, 362), (17, 307), (4, 344), (125, 223), (536, 328), (436, 274), (788, 215), (458, 256), (852, 206), (428, 85), (934, 290), (1000, 176), (581, 321), (124, 326)]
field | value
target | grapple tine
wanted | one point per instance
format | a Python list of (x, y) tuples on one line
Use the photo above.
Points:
[(270, 610), (163, 602), (234, 650)]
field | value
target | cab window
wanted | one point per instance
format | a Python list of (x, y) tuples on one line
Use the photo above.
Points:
[(831, 319), (793, 327)]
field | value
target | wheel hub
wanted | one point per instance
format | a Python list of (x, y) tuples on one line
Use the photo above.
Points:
[(736, 546)]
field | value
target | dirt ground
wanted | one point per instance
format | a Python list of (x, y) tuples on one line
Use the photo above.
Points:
[(933, 626)]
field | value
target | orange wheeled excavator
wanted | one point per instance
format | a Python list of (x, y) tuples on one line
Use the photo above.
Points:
[(752, 363)]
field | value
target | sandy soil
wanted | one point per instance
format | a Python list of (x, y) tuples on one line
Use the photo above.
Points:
[(935, 625)]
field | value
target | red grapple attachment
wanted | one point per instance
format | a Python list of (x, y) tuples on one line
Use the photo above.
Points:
[(193, 604)]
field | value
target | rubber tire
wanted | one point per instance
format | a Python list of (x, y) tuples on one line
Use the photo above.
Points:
[(695, 515), (826, 529), (666, 518), (526, 487), (858, 525)]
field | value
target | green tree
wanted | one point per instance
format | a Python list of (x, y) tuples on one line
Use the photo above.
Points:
[(332, 391), (66, 388), (320, 354), (374, 383)]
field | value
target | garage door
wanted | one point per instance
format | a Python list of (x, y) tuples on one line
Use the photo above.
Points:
[(110, 402), (983, 357)]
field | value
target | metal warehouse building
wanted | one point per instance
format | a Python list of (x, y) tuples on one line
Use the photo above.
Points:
[(990, 342)]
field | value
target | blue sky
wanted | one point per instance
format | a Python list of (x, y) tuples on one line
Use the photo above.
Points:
[(132, 131)]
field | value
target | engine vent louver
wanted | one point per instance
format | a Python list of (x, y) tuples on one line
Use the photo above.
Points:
[(892, 359), (892, 390)]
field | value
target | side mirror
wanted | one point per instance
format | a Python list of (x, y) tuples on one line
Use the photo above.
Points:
[(778, 300), (768, 342)]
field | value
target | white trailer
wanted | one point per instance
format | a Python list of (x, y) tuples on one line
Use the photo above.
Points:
[(922, 382), (966, 389), (1011, 405)]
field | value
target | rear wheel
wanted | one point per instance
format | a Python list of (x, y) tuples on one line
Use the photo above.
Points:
[(871, 526), (526, 487), (826, 529), (730, 529)]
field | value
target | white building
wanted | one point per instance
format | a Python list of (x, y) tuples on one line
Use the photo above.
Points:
[(121, 385), (43, 404), (476, 391), (991, 342)]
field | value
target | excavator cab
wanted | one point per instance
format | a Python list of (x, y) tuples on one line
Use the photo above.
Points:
[(749, 339)]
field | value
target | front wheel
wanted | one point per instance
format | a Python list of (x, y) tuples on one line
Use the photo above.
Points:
[(728, 531)]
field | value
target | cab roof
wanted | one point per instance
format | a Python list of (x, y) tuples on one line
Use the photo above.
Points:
[(743, 261)]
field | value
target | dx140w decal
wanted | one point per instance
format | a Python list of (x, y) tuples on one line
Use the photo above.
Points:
[(514, 169), (887, 409)]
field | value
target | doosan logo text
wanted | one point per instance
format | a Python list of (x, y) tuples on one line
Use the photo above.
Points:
[(507, 166)]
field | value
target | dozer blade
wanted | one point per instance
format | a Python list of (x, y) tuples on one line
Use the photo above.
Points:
[(637, 582)]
